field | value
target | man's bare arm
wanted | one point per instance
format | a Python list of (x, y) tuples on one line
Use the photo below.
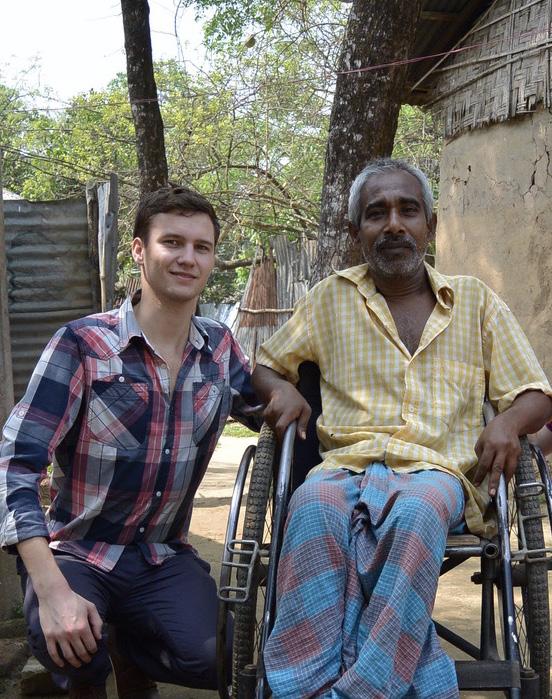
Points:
[(498, 445), (284, 403), (70, 623), (543, 439)]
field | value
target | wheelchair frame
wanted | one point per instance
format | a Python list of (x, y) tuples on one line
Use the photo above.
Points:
[(254, 560)]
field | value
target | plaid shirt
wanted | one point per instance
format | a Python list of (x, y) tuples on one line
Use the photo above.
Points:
[(380, 403), (128, 456)]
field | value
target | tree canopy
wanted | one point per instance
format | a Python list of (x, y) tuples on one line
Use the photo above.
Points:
[(248, 129)]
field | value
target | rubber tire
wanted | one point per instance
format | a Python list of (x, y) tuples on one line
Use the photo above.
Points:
[(536, 611), (258, 499)]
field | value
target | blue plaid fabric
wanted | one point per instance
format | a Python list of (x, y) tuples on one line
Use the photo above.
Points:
[(128, 453), (356, 586)]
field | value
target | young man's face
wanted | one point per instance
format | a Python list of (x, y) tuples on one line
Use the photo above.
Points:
[(394, 231), (178, 257)]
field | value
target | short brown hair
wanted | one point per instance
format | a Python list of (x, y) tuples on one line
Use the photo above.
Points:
[(168, 199)]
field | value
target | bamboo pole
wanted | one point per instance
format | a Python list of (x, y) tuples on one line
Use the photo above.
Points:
[(6, 371)]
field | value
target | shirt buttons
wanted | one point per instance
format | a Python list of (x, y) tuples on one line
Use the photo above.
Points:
[(158, 494), (411, 409), (167, 451), (121, 379), (141, 530)]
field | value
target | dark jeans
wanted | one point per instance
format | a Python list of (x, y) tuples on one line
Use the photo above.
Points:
[(165, 617)]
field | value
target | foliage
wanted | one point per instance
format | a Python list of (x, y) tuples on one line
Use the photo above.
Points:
[(249, 130), (419, 141), (236, 429)]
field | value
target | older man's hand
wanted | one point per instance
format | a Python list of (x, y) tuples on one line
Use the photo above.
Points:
[(286, 404), (498, 451)]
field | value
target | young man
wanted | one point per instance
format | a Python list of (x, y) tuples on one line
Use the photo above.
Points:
[(406, 356), (128, 405)]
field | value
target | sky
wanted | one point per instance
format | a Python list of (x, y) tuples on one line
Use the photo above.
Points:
[(78, 45)]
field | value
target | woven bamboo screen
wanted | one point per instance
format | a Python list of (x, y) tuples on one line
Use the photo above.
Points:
[(501, 70)]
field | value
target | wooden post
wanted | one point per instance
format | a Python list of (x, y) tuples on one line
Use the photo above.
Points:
[(6, 373), (10, 593), (108, 238), (102, 201), (93, 255)]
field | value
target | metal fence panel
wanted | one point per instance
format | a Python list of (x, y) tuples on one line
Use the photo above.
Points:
[(49, 275)]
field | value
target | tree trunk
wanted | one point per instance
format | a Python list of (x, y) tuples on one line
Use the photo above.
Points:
[(364, 114), (142, 92)]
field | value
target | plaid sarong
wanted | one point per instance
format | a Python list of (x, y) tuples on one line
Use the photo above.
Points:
[(356, 586)]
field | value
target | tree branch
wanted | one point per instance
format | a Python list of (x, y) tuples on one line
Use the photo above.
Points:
[(232, 264)]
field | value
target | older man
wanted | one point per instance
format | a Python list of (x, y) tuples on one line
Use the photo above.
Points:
[(406, 356)]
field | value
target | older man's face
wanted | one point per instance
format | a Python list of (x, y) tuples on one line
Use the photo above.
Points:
[(394, 232)]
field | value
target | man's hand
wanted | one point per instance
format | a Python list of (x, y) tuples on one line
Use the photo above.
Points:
[(71, 626), (286, 404), (498, 451), (498, 446), (70, 623)]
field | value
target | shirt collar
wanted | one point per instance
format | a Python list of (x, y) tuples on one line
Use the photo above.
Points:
[(199, 336), (361, 278), (129, 326)]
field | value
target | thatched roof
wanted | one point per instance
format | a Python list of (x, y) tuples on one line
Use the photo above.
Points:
[(443, 23), (498, 70)]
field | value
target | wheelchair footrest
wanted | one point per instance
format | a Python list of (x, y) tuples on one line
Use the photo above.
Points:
[(487, 674), (241, 555)]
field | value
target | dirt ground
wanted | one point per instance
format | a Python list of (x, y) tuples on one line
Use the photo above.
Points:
[(457, 602)]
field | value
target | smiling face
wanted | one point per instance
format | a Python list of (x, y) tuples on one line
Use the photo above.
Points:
[(177, 258), (394, 232)]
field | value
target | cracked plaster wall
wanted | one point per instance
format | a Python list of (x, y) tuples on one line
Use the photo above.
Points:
[(495, 218)]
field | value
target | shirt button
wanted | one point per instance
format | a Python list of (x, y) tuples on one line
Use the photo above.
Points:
[(141, 530), (167, 451), (158, 494), (122, 379), (411, 409)]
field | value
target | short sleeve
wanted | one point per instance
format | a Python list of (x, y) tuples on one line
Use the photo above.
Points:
[(291, 344)]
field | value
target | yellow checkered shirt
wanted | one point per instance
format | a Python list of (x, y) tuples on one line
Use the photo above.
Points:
[(412, 412)]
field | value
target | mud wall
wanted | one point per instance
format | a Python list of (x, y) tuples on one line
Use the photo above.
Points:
[(495, 218)]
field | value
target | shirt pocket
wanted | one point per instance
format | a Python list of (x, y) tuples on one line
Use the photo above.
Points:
[(207, 397), (458, 392), (118, 412)]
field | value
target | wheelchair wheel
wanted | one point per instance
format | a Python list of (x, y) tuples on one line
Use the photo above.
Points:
[(258, 527), (530, 578)]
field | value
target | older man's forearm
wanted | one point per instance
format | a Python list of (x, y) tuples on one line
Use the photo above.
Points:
[(529, 412)]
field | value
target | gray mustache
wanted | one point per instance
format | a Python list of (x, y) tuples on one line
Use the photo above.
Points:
[(402, 242)]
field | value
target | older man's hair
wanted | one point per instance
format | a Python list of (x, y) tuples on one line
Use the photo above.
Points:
[(379, 167)]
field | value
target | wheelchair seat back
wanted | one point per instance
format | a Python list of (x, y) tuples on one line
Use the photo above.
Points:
[(306, 452)]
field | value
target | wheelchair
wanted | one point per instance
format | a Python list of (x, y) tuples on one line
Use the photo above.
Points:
[(513, 567)]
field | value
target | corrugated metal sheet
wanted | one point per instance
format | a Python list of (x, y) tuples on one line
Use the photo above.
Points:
[(226, 313), (274, 290), (293, 267), (49, 275)]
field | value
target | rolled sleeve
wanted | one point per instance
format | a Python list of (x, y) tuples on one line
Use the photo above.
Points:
[(34, 429), (512, 367), (243, 395)]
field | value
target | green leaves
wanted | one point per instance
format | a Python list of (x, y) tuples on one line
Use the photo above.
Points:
[(248, 129)]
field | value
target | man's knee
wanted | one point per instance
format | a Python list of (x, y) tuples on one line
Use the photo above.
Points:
[(323, 489), (198, 671), (92, 673), (429, 503)]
